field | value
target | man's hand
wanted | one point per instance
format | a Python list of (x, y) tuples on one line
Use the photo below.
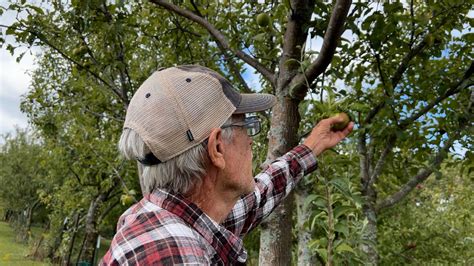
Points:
[(322, 137)]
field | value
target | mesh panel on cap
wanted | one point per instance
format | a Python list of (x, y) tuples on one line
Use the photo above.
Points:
[(155, 118), (179, 101), (205, 110)]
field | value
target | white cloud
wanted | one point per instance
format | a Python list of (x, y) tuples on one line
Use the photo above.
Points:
[(14, 82)]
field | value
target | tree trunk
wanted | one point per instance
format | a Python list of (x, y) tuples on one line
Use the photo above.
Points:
[(8, 215), (29, 216), (305, 256), (276, 233), (275, 239), (24, 224), (91, 229), (370, 235), (67, 257), (56, 243)]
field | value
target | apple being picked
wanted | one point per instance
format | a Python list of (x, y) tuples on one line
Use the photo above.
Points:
[(341, 125)]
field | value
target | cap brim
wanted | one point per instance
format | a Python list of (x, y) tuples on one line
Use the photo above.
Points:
[(255, 102)]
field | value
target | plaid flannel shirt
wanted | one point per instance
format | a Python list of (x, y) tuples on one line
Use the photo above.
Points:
[(167, 229)]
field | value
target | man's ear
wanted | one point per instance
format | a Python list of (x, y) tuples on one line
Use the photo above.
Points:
[(216, 148)]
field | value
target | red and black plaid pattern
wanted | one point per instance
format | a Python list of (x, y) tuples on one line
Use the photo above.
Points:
[(167, 229)]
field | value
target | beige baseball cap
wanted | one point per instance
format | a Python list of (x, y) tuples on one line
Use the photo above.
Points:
[(176, 108)]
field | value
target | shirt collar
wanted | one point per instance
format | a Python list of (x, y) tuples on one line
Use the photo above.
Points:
[(228, 246)]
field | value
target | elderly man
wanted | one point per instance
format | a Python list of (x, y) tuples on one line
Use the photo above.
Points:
[(191, 132)]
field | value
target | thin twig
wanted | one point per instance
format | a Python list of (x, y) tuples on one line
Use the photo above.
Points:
[(219, 37)]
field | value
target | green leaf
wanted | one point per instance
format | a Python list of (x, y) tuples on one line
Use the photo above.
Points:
[(340, 210), (344, 247), (10, 30), (323, 253), (341, 227), (259, 37), (340, 184), (11, 49), (18, 59), (308, 201), (320, 202), (37, 9), (469, 37)]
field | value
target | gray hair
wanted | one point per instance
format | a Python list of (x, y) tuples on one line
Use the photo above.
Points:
[(179, 174)]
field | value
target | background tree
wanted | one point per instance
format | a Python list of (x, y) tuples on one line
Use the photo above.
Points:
[(21, 172), (434, 222), (88, 71)]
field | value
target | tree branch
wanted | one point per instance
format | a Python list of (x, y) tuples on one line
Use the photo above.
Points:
[(331, 37), (42, 38), (104, 116), (219, 37), (125, 80), (397, 76), (466, 81), (107, 210), (79, 179), (373, 112), (386, 89), (412, 34), (436, 162), (230, 62), (381, 161), (364, 160), (421, 176), (461, 84), (115, 170), (234, 69)]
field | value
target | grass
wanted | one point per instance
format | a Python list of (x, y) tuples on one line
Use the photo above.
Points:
[(11, 252)]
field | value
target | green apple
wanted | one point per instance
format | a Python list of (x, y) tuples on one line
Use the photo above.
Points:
[(343, 124), (263, 20)]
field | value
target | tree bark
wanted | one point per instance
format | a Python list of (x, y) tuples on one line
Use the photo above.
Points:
[(275, 236), (91, 229), (305, 256), (25, 223), (370, 234), (67, 258), (29, 217)]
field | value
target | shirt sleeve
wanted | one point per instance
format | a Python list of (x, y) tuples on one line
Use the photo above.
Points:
[(272, 186), (168, 251)]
